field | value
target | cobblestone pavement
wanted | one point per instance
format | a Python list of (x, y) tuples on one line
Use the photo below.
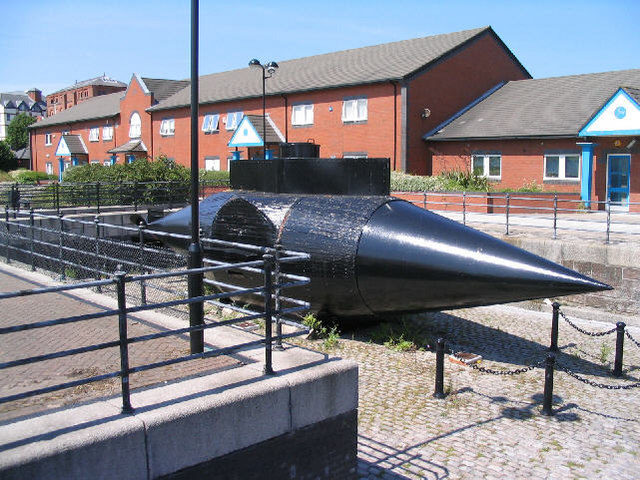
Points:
[(17, 345), (490, 426)]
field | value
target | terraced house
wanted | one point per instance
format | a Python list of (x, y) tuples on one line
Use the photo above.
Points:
[(374, 101)]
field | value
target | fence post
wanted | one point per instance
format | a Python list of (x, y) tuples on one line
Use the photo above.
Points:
[(555, 216), (277, 277), (60, 244), (6, 224), (439, 391), (464, 208), (554, 327), (424, 200), (124, 342), (143, 283), (617, 368), (608, 219), (548, 384), (268, 312), (135, 196), (32, 224), (508, 200), (96, 223)]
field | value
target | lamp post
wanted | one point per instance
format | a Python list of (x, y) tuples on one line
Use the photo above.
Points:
[(268, 71)]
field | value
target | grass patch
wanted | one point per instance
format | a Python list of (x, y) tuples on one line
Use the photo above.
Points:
[(401, 337), (330, 335)]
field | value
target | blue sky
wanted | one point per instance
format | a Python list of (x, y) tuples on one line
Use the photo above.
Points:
[(51, 44)]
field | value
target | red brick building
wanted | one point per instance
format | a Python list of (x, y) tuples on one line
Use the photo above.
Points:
[(80, 92), (373, 101), (578, 134)]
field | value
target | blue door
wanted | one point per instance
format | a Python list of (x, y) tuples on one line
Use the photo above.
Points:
[(618, 174)]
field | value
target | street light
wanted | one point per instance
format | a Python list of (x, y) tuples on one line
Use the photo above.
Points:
[(268, 71)]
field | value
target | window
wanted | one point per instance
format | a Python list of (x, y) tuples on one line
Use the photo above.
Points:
[(107, 163), (94, 134), (212, 163), (210, 123), (487, 166), (354, 110), (135, 125), (302, 115), (562, 167), (233, 119), (47, 139), (167, 127), (49, 168), (94, 162), (66, 132), (107, 133)]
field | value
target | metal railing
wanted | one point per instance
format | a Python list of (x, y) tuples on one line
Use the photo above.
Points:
[(32, 243), (552, 212), (60, 196)]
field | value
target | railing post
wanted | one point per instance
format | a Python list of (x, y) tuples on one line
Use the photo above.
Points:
[(32, 224), (548, 384), (268, 312), (96, 223), (617, 367), (57, 197), (464, 208), (439, 390), (135, 196), (507, 200), (60, 245), (277, 277), (6, 224), (424, 200), (124, 342), (143, 283), (98, 197), (608, 219), (554, 327), (555, 216)]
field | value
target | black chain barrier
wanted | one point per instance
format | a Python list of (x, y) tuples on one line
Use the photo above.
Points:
[(626, 332), (517, 371), (596, 384), (585, 332)]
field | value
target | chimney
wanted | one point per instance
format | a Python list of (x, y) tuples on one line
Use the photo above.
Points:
[(35, 95)]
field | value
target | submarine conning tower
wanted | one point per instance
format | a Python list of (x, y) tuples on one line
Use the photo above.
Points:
[(371, 254)]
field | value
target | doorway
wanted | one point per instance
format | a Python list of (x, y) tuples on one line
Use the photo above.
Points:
[(618, 181)]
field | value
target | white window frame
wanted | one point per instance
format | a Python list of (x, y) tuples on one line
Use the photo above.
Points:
[(94, 162), (107, 133), (66, 132), (168, 127), (486, 165), (354, 155), (94, 134), (302, 114), (211, 122), (562, 167), (212, 164), (47, 139), (355, 110), (49, 168), (233, 120), (135, 128)]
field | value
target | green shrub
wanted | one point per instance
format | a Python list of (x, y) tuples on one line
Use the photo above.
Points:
[(454, 180), (161, 169), (404, 182), (29, 176), (213, 176)]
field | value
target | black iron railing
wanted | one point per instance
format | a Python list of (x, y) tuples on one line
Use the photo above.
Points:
[(26, 241), (60, 196)]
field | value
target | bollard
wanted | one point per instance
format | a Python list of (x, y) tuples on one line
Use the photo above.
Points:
[(617, 368), (143, 283), (554, 327), (555, 216), (277, 276), (124, 342), (31, 238), (439, 391), (548, 385), (268, 292)]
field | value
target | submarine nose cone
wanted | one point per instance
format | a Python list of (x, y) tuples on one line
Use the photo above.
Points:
[(413, 260)]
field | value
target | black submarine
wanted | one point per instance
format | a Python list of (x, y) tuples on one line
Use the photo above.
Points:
[(371, 255)]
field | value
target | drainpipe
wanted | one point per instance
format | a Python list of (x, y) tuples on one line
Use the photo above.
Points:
[(395, 121), (286, 118), (587, 172)]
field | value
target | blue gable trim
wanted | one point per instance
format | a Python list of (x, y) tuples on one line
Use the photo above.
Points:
[(620, 92), (245, 124)]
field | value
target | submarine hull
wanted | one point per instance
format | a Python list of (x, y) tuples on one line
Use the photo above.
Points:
[(376, 255)]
